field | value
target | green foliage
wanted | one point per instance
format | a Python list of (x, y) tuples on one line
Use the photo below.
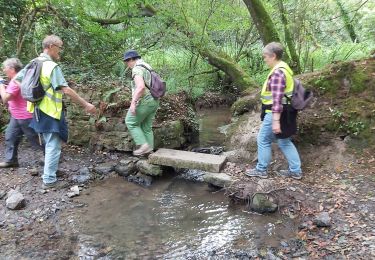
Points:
[(97, 32), (346, 124), (319, 58), (108, 94)]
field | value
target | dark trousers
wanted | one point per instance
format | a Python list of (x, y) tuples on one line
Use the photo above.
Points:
[(13, 136)]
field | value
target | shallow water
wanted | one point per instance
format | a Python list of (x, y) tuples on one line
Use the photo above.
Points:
[(210, 120), (178, 217), (174, 219)]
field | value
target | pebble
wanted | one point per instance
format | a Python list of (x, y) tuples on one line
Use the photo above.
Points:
[(15, 200), (74, 191), (323, 220)]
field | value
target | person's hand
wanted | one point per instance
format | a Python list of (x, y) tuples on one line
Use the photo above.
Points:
[(132, 108), (90, 108), (2, 81), (276, 129)]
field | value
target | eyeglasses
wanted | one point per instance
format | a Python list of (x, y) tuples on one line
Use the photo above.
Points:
[(60, 47)]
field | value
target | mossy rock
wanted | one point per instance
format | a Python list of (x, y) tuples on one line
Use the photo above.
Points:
[(347, 77), (263, 204), (345, 103), (245, 104)]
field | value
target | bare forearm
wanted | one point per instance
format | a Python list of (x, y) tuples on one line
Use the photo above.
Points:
[(4, 95), (138, 94), (276, 116), (139, 88), (74, 96)]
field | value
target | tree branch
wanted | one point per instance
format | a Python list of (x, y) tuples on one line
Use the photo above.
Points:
[(204, 72), (146, 11)]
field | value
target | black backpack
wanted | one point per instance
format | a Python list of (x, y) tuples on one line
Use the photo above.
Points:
[(31, 88), (158, 87)]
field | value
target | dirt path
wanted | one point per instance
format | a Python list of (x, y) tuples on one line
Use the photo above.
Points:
[(339, 181), (37, 231)]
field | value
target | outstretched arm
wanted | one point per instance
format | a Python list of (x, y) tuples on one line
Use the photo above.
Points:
[(89, 108)]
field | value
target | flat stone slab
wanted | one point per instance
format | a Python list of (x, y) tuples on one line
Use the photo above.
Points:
[(187, 160)]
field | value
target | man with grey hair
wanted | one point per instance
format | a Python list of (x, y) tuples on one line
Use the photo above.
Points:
[(49, 117), (20, 118)]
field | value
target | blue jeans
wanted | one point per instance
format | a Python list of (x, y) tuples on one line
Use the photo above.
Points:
[(52, 156), (16, 129), (265, 139)]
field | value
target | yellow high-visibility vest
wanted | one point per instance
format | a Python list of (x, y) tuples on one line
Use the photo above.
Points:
[(51, 104), (266, 95)]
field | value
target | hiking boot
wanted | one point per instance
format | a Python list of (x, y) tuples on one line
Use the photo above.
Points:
[(144, 149), (8, 164), (288, 173), (255, 173), (60, 173), (55, 185)]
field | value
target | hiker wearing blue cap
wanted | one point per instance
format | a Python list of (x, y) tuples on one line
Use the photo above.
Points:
[(143, 106)]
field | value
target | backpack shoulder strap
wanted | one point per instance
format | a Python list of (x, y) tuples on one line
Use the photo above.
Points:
[(143, 66)]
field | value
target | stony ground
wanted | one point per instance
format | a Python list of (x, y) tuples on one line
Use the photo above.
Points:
[(37, 231), (337, 180)]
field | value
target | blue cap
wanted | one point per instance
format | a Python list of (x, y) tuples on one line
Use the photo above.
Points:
[(130, 54)]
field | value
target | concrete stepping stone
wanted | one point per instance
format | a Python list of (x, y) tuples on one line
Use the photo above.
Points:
[(187, 160)]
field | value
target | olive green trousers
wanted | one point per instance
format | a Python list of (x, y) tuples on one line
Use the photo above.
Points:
[(140, 124)]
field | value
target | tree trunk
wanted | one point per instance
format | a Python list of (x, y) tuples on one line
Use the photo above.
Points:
[(26, 24), (262, 21), (222, 61), (264, 24), (295, 63), (348, 24), (1, 36), (203, 44)]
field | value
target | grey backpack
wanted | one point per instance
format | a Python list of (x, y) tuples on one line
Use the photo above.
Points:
[(31, 88), (158, 87), (301, 97)]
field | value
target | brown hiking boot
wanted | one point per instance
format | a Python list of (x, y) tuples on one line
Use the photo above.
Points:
[(8, 164), (144, 149)]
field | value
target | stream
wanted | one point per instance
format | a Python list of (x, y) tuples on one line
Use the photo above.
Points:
[(212, 122), (175, 218)]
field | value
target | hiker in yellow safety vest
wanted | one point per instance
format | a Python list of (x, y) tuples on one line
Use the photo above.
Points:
[(49, 118), (277, 87)]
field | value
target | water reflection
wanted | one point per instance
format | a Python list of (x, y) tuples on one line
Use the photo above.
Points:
[(174, 219), (210, 120)]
